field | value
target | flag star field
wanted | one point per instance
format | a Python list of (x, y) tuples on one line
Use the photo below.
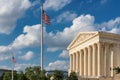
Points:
[(20, 29)]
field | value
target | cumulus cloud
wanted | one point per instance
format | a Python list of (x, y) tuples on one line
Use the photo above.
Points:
[(29, 38), (59, 65), (29, 55), (61, 39), (66, 16), (10, 11), (56, 4), (20, 67), (5, 67), (64, 54), (4, 57), (111, 26)]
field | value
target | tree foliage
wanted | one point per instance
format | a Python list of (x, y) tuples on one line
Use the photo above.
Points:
[(117, 70), (58, 75), (73, 76), (21, 76), (35, 73), (8, 76), (31, 73)]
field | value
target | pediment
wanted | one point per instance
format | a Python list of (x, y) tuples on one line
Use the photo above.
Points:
[(81, 37)]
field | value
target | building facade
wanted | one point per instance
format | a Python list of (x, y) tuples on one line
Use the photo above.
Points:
[(94, 55)]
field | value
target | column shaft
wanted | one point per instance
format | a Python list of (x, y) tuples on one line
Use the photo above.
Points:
[(77, 62), (74, 62), (89, 62), (81, 64), (99, 59), (71, 63), (107, 60), (94, 61), (112, 63), (85, 63)]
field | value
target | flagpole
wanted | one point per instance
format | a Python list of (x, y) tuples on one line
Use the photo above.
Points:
[(41, 37), (12, 70), (12, 66)]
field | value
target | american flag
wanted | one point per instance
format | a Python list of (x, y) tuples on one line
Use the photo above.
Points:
[(45, 18), (13, 59)]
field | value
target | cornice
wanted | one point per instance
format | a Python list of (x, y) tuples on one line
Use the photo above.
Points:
[(82, 37)]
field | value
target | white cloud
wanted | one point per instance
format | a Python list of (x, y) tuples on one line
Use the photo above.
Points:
[(5, 67), (29, 39), (59, 40), (20, 67), (29, 55), (10, 11), (62, 39), (66, 16), (56, 4), (58, 65), (80, 24), (64, 54), (111, 26), (4, 57), (53, 49)]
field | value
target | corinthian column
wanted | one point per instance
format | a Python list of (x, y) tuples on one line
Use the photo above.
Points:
[(112, 60), (94, 61), (85, 63), (107, 67), (74, 62), (99, 59), (77, 62), (81, 64), (89, 61), (71, 62)]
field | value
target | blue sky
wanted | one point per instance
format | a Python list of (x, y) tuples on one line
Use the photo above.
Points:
[(20, 29)]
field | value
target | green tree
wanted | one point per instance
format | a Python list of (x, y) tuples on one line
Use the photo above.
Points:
[(8, 76), (72, 76), (35, 73), (117, 70), (21, 76), (58, 75)]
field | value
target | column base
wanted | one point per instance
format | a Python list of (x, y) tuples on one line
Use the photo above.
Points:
[(96, 77), (90, 76)]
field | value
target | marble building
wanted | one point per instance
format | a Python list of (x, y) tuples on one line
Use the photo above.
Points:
[(95, 54)]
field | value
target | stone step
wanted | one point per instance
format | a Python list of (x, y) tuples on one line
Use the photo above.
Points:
[(88, 79)]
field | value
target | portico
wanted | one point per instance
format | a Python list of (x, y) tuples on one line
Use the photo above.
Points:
[(94, 54)]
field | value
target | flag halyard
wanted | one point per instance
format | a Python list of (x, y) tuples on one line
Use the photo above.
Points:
[(45, 18)]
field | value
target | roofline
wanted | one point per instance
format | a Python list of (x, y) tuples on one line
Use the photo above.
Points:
[(97, 33), (78, 36)]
